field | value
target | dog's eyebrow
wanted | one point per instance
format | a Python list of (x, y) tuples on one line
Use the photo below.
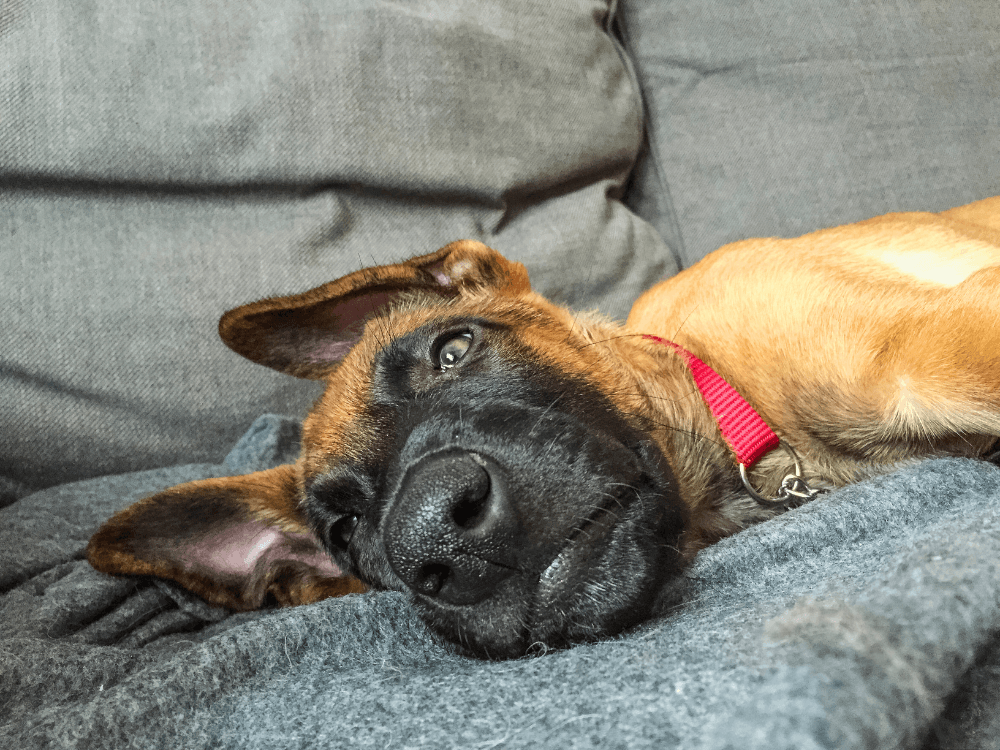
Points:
[(458, 320)]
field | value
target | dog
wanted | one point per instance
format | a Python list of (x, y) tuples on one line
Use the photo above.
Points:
[(534, 475)]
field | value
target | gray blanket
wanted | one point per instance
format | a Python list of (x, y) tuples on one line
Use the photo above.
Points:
[(866, 619)]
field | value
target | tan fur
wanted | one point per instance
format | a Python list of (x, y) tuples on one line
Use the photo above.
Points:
[(863, 346), (852, 353)]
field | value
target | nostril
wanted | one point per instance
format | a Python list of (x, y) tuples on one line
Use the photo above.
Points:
[(431, 579), (342, 531), (471, 508)]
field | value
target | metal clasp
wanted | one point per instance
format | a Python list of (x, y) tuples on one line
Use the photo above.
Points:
[(794, 490)]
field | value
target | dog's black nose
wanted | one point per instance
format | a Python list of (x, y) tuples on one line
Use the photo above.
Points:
[(451, 532)]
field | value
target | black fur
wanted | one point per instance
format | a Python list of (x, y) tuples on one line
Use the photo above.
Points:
[(594, 517)]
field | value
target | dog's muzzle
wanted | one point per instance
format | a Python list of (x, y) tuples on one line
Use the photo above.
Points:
[(511, 523)]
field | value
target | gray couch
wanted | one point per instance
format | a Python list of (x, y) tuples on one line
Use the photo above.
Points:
[(163, 162)]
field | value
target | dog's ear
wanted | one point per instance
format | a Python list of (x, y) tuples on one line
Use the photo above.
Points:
[(307, 334), (238, 542)]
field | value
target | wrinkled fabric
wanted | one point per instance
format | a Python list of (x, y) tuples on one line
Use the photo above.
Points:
[(867, 618), (780, 117), (162, 163)]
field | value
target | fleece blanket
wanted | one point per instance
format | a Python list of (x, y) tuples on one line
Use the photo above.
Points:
[(868, 618)]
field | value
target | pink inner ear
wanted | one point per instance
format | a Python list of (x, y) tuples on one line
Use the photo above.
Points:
[(253, 547), (437, 271), (332, 350), (324, 345), (458, 270)]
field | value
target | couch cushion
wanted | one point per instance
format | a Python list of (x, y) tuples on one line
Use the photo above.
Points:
[(164, 162), (777, 117), (419, 96)]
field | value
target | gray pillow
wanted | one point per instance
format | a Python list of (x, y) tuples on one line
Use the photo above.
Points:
[(163, 162), (780, 117)]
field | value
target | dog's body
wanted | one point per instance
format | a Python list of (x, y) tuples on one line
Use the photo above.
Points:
[(536, 475)]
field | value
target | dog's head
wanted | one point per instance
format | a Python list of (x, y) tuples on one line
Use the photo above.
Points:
[(493, 453)]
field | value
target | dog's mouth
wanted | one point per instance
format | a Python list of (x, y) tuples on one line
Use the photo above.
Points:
[(572, 555), (553, 578), (565, 576), (606, 577)]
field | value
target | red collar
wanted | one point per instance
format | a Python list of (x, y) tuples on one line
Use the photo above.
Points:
[(744, 430)]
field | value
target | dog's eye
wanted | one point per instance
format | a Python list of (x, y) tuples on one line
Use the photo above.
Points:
[(453, 349), (342, 531)]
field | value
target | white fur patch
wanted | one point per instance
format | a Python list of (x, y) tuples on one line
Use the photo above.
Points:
[(934, 266)]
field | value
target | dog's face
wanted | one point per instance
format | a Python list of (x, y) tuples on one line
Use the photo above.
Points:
[(504, 488), (474, 446)]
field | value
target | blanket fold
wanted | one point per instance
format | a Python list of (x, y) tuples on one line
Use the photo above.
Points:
[(868, 618)]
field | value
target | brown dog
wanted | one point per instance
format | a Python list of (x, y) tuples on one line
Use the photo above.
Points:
[(537, 475)]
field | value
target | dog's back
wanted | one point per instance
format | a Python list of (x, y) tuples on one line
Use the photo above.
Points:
[(885, 333)]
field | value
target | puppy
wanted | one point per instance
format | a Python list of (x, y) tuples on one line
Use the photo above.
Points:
[(536, 475)]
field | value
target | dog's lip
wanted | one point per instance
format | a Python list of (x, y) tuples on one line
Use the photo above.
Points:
[(551, 578), (589, 521), (617, 501), (575, 581)]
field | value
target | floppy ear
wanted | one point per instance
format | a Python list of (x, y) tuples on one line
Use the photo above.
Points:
[(238, 542), (307, 334)]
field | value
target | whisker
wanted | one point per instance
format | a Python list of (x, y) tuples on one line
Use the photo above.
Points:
[(686, 317), (613, 338), (547, 408), (675, 428), (552, 442), (637, 394)]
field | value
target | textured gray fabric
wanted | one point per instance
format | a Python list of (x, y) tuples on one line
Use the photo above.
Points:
[(419, 96), (161, 163), (778, 117), (867, 619), (11, 491)]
